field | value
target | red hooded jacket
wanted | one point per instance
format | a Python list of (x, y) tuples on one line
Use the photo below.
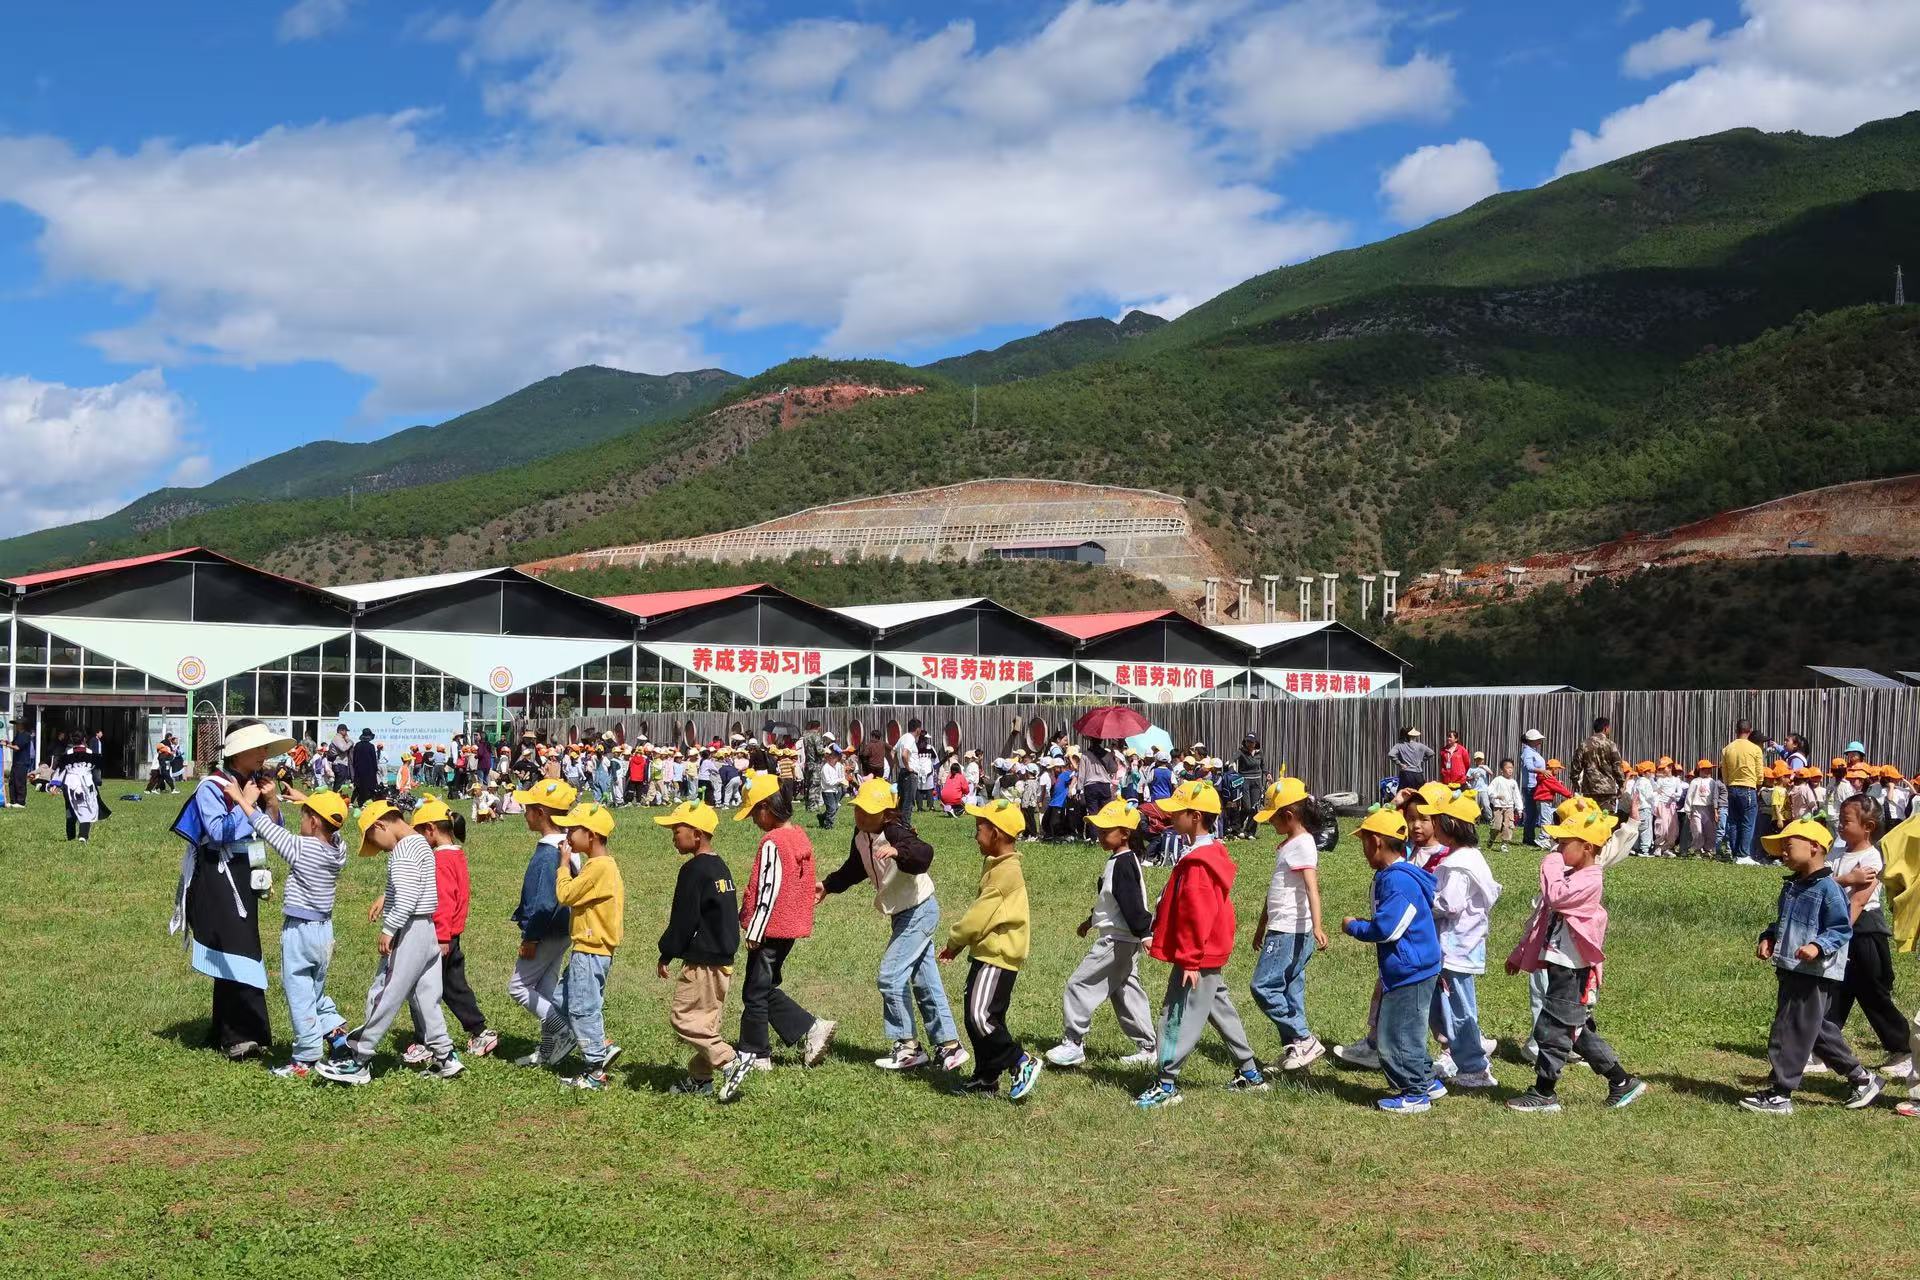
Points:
[(1193, 925)]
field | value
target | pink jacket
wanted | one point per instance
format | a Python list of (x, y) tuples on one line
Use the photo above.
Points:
[(1575, 897)]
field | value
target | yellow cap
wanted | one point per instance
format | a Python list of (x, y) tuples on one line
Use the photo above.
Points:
[(875, 796), (691, 813), (760, 786), (1589, 825), (1434, 796), (1574, 805), (1465, 806), (1282, 793), (549, 793), (1116, 813), (430, 809), (1002, 813), (370, 813), (595, 818), (1805, 828), (1198, 796), (1390, 823), (330, 805)]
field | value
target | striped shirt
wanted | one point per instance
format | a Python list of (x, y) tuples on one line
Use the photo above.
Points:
[(411, 893), (313, 868)]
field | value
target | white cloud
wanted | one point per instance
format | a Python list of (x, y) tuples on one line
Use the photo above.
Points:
[(660, 173), (1818, 66), (1435, 181), (77, 452), (1674, 49), (311, 19)]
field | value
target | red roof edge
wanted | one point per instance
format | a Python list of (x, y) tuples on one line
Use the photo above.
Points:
[(1091, 626), (104, 566), (654, 604)]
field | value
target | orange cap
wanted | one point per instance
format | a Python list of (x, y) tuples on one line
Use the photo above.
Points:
[(1704, 764), (1552, 765)]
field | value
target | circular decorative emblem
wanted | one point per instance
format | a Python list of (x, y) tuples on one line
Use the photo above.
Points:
[(500, 679), (191, 670), (759, 688), (977, 694), (1165, 695)]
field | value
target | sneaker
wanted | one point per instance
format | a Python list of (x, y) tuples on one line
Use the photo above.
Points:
[(243, 1050), (1405, 1104), (1066, 1054), (1865, 1092), (484, 1043), (734, 1076), (1474, 1080), (690, 1087), (1900, 1068), (1443, 1067), (446, 1068), (1911, 1110), (819, 1038), (1626, 1093), (1436, 1090), (1768, 1104), (352, 1071), (1534, 1102), (592, 1081), (1140, 1058), (417, 1055), (1748, 862), (1357, 1054), (295, 1070), (607, 1056), (1159, 1096), (1302, 1054), (1026, 1074), (1488, 1045), (1815, 1067), (907, 1055), (1248, 1080), (762, 1063), (953, 1057), (976, 1089), (533, 1059)]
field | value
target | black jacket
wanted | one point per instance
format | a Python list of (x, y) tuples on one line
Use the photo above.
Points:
[(366, 764), (910, 853), (704, 927)]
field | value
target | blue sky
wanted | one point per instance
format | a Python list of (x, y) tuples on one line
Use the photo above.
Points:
[(229, 229)]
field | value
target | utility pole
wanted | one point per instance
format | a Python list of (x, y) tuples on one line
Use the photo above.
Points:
[(976, 405), (1899, 288)]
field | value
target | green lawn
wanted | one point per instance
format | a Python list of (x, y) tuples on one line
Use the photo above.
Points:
[(129, 1150)]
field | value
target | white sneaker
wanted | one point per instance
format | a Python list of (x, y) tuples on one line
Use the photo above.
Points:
[(819, 1038), (417, 1055), (1444, 1068), (954, 1057), (1302, 1054), (1357, 1054), (1900, 1068), (1066, 1054), (1140, 1058), (906, 1056), (1488, 1044), (1817, 1068), (1747, 862), (1474, 1080)]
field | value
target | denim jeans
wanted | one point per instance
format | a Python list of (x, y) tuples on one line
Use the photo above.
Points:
[(1280, 983), (1401, 1036), (306, 949), (1743, 815), (907, 962), (829, 805), (1455, 1018), (583, 1000)]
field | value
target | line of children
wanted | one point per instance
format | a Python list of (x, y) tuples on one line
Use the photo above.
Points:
[(1290, 925), (596, 899), (994, 933), (444, 830), (546, 928), (703, 934), (1464, 896), (1402, 928)]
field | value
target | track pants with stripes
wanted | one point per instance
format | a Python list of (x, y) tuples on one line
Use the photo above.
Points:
[(989, 991)]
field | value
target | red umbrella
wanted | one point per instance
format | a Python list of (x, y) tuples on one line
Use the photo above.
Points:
[(1111, 722)]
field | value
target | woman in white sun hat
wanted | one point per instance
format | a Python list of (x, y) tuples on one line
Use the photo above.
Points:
[(223, 876)]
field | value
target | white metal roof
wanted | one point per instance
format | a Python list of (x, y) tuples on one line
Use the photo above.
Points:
[(1262, 635), (1470, 690), (885, 617), (1858, 677), (1913, 676), (368, 592)]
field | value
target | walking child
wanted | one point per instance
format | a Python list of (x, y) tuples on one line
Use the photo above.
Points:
[(1110, 972), (1464, 895), (776, 911), (410, 953), (994, 934), (1290, 927), (1193, 932), (444, 830), (1566, 939), (1503, 801), (596, 899), (703, 934), (546, 929), (1703, 812), (1869, 977), (1807, 945), (1402, 929)]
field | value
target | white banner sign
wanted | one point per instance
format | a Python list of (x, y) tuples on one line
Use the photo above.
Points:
[(496, 664), (757, 673), (401, 730), (976, 681), (186, 654), (1327, 684), (1163, 681)]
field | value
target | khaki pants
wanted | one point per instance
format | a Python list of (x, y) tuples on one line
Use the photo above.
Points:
[(699, 997), (1502, 827)]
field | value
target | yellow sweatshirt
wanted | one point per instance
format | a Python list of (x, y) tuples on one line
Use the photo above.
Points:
[(994, 928), (598, 898)]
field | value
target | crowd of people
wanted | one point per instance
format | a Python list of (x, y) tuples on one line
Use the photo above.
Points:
[(1432, 899)]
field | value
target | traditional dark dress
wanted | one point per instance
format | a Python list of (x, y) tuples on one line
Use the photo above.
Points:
[(220, 910)]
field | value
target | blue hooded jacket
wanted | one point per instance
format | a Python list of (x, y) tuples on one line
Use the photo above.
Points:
[(539, 913), (1402, 925)]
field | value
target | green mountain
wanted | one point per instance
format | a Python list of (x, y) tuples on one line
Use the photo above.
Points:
[(1061, 347), (1696, 327), (580, 407)]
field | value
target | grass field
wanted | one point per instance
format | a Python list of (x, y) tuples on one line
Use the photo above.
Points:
[(130, 1150)]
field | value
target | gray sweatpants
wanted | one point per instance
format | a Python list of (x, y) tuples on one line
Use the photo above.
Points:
[(1801, 1030), (411, 976), (1188, 1011), (534, 981), (1110, 971)]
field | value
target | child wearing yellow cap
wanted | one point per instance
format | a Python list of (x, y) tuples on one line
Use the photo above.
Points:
[(596, 897), (1408, 948), (410, 953), (1464, 896), (545, 925), (1807, 945), (446, 831), (1290, 926), (314, 859), (994, 932), (703, 934), (1110, 971)]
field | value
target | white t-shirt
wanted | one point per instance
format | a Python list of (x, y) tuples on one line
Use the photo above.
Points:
[(1700, 793), (1563, 948), (1851, 860), (1287, 908)]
